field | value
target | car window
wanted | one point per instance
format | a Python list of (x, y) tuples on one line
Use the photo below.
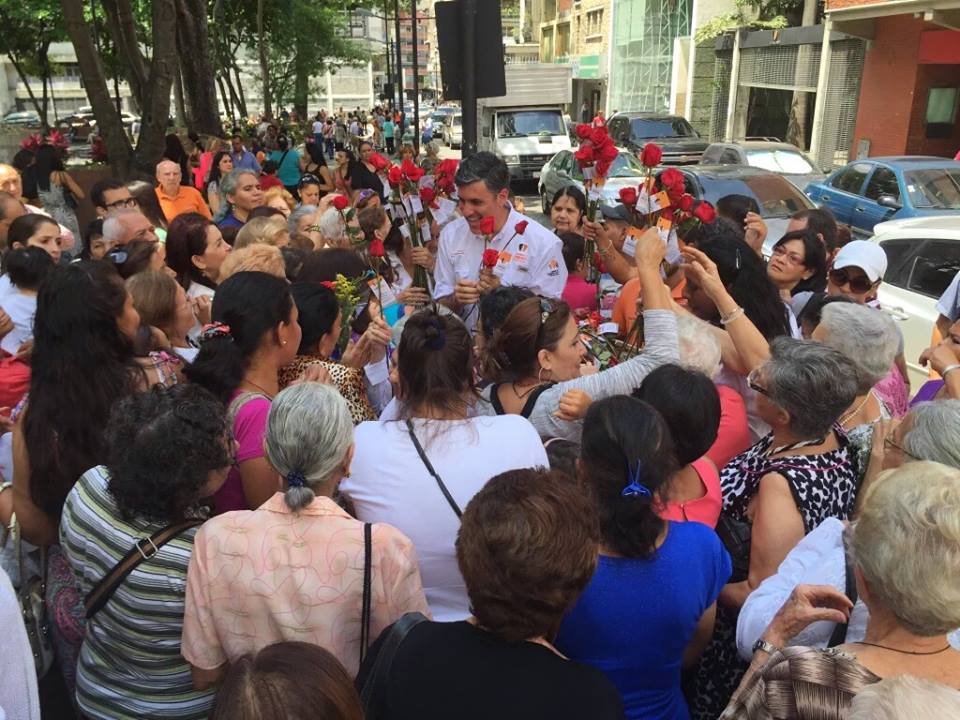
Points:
[(562, 161), (647, 128), (712, 156), (524, 123), (851, 179), (934, 267), (934, 188), (899, 259), (730, 157), (780, 161), (620, 129), (882, 182), (626, 165), (775, 195)]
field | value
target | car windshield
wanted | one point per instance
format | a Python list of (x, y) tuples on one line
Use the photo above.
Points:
[(457, 120), (937, 188), (530, 122), (643, 128), (789, 162), (776, 197)]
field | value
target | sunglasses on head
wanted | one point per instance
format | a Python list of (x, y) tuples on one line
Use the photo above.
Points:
[(857, 283)]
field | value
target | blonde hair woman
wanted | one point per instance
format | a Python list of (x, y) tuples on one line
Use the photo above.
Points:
[(254, 258), (281, 199), (264, 231)]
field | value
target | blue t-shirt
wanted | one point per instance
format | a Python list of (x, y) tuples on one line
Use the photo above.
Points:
[(636, 618), (289, 170)]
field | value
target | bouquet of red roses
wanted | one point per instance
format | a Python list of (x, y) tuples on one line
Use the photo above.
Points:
[(594, 156)]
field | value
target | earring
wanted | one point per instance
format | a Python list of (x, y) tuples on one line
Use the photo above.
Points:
[(284, 342), (540, 375)]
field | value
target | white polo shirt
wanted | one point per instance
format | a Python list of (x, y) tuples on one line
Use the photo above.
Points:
[(533, 260)]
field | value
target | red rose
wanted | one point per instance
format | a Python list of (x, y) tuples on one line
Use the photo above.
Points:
[(598, 263), (686, 202), (521, 227), (411, 171), (599, 136), (490, 258), (602, 168), (394, 176), (329, 284), (378, 161), (651, 155), (487, 225), (428, 195), (584, 130), (584, 155), (340, 202), (609, 152), (667, 214), (705, 212), (628, 196), (376, 248)]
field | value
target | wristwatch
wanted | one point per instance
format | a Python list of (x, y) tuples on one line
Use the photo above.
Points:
[(768, 648), (949, 368)]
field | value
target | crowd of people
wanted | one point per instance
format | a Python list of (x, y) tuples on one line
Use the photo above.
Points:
[(311, 431)]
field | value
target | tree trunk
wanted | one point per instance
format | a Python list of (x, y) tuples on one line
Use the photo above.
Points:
[(264, 68), (33, 98), (797, 125), (301, 84), (156, 98), (95, 83), (183, 119), (227, 101), (123, 31), (241, 98), (198, 75)]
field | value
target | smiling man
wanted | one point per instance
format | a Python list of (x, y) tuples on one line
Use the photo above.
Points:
[(532, 258), (176, 199)]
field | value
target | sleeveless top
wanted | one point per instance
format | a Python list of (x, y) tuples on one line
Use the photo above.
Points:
[(823, 485), (705, 509)]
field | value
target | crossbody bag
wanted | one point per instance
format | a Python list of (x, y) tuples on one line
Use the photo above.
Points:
[(426, 463)]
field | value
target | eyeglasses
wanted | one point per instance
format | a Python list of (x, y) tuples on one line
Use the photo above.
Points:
[(124, 203), (754, 385), (889, 443), (856, 283), (784, 254)]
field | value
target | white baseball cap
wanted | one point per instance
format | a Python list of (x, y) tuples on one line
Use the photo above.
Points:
[(866, 255)]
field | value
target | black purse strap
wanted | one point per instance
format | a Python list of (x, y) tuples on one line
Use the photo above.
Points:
[(144, 549), (367, 589), (839, 636), (375, 677), (426, 463)]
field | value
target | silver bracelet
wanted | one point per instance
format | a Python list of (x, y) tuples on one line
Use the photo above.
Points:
[(949, 369), (727, 319)]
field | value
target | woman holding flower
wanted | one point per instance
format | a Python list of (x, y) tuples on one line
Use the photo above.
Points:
[(398, 267)]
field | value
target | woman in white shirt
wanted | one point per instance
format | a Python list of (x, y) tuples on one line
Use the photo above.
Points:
[(418, 472)]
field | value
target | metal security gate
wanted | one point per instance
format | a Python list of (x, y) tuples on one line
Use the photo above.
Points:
[(790, 60)]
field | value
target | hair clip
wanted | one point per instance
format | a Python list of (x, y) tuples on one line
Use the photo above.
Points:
[(738, 259), (437, 342), (295, 478), (635, 488), (214, 330)]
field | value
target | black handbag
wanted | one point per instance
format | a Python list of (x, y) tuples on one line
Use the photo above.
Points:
[(735, 536)]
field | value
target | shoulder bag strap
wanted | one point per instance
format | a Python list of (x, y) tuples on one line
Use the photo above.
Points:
[(236, 405), (374, 690), (839, 636), (426, 463), (144, 549), (367, 589)]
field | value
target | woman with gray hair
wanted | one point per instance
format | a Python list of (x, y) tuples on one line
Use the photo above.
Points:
[(870, 339), (905, 553), (931, 431), (296, 567), (780, 489), (239, 194)]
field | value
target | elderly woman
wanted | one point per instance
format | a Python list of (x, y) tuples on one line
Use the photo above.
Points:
[(302, 223), (241, 193), (254, 258), (869, 339), (527, 547), (931, 431), (294, 568), (912, 597), (440, 453), (168, 450), (905, 697), (781, 488), (263, 230)]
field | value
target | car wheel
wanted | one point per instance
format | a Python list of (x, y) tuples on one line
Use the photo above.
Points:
[(544, 204)]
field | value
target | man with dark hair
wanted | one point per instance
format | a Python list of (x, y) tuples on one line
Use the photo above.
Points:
[(529, 255), (822, 222), (110, 194), (242, 158)]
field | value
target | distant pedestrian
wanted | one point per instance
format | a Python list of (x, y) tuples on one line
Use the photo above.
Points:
[(389, 131), (585, 112), (318, 130)]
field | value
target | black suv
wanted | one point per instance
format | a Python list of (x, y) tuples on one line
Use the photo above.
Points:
[(680, 143)]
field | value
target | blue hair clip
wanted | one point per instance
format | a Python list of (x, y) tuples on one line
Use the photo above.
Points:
[(635, 488), (295, 478)]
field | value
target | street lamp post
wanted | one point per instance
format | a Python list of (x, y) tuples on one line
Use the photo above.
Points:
[(416, 80), (396, 19)]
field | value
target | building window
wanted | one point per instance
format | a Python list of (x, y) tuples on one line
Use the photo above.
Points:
[(595, 22), (941, 112)]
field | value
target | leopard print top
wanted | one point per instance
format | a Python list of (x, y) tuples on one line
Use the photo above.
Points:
[(348, 381)]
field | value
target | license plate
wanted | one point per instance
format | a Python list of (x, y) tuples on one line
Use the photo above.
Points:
[(536, 173)]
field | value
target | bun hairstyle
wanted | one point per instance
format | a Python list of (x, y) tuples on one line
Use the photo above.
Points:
[(435, 363), (533, 325), (627, 460), (309, 432)]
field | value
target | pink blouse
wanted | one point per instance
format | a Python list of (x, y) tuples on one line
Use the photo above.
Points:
[(262, 576), (705, 509)]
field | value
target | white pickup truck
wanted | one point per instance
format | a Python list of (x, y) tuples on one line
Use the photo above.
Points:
[(526, 127)]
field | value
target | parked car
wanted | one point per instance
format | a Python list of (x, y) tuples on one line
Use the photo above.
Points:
[(562, 170), (923, 257), (680, 143), (28, 118), (778, 199), (779, 157), (437, 125), (125, 117), (453, 133), (866, 192)]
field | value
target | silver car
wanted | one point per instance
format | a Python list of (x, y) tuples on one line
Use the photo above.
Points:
[(782, 158), (562, 170)]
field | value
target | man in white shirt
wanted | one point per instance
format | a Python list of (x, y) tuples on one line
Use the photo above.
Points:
[(532, 259), (318, 130)]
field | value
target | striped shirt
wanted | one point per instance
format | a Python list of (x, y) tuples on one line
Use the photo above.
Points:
[(130, 665)]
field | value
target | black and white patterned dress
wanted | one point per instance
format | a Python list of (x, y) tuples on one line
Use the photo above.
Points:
[(823, 486)]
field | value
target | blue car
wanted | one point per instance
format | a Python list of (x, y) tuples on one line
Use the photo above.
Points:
[(871, 191)]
